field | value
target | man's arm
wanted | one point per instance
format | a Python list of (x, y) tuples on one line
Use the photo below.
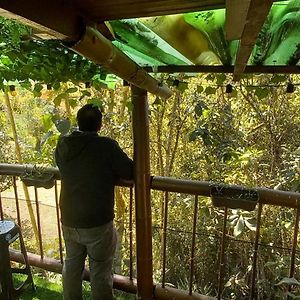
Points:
[(122, 165)]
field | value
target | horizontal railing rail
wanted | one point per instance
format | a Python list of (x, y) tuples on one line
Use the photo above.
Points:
[(201, 188)]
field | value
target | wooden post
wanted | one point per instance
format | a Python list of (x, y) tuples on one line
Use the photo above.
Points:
[(142, 193)]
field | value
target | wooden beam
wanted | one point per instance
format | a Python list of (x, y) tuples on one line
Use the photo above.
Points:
[(236, 14), (142, 179), (257, 14), (224, 69), (100, 50), (55, 19), (99, 11), (104, 10)]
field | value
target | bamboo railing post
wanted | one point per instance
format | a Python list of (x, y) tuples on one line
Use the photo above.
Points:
[(142, 193)]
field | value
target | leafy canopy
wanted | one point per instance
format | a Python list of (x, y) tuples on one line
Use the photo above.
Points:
[(23, 59)]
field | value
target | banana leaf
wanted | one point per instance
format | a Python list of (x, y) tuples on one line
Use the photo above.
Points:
[(284, 35), (136, 35), (211, 23), (189, 41), (140, 58)]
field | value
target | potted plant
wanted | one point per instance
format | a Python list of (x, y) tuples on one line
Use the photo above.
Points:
[(38, 177)]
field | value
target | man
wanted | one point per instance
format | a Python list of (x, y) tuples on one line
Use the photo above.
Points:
[(89, 165)]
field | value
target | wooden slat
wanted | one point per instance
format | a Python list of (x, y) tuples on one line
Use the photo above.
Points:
[(102, 10), (236, 13), (52, 18), (122, 9), (257, 13)]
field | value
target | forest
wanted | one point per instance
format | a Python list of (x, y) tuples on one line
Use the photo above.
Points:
[(211, 129)]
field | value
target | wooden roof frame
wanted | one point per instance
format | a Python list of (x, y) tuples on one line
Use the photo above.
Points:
[(66, 20), (256, 16)]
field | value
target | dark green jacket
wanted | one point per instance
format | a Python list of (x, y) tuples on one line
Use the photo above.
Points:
[(89, 165)]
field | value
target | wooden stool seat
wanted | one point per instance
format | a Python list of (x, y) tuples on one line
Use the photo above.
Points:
[(10, 232)]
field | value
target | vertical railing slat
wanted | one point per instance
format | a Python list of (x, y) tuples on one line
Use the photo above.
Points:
[(193, 245), (255, 253), (17, 200), (58, 222), (164, 241), (1, 208), (295, 240), (130, 234), (222, 254), (39, 222)]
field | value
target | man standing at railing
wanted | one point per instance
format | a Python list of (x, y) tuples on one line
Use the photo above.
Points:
[(89, 165)]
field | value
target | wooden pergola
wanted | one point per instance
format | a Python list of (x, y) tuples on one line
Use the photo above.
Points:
[(81, 25)]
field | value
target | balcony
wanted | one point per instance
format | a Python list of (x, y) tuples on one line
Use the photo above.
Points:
[(197, 253)]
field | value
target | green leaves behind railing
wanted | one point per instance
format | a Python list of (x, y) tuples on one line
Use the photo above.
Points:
[(96, 102), (63, 125), (262, 93), (241, 222), (200, 106), (210, 90), (64, 95), (288, 281)]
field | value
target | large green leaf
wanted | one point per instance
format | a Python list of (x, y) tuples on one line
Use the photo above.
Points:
[(57, 100), (250, 224), (239, 227), (63, 125), (262, 93), (288, 281)]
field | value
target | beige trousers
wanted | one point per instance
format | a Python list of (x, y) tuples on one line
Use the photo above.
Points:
[(98, 244)]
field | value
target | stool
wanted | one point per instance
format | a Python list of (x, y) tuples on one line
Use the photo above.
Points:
[(9, 232)]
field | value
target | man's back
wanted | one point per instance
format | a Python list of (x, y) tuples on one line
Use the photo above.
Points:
[(90, 165)]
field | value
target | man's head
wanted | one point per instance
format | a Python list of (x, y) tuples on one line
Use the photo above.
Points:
[(89, 118)]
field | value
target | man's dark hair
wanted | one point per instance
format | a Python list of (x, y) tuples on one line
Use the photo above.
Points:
[(89, 118)]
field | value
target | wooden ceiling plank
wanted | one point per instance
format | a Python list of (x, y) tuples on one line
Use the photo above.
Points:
[(52, 18), (111, 10), (106, 10), (236, 14), (257, 14)]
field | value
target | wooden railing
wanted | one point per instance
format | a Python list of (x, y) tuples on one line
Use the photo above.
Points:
[(168, 189), (38, 257)]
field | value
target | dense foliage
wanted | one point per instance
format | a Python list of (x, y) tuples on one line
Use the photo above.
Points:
[(24, 58)]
